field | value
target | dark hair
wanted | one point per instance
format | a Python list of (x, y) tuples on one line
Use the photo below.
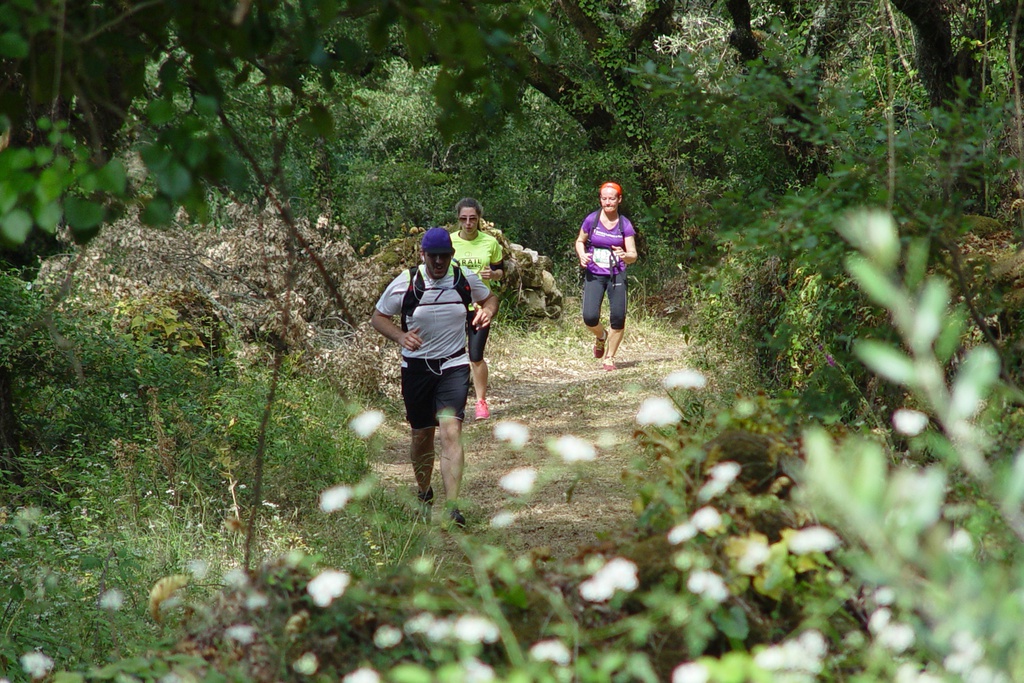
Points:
[(469, 203)]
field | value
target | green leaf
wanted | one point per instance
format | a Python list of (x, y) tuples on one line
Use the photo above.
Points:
[(157, 158), (8, 197), (48, 215), (323, 122), (732, 623), (973, 382), (206, 105), (68, 677), (410, 673), (929, 318), (13, 45), (82, 214), (875, 282), (874, 234), (886, 361), (159, 112), (175, 182), (15, 226), (112, 177), (51, 184), (158, 212)]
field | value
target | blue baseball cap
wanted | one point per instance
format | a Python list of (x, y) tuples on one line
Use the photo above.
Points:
[(437, 241)]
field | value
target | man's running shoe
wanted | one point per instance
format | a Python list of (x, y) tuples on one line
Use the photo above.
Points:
[(457, 518), (426, 499), (483, 411), (599, 346)]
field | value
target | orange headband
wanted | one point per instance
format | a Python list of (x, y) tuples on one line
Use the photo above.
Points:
[(614, 186)]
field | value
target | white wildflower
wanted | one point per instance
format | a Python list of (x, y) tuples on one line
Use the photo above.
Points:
[(327, 585), (706, 519), (472, 628), (503, 519), (896, 637), (813, 539), (551, 650), (959, 542), (513, 433), (726, 471), (112, 600), (307, 664), (813, 644), (685, 379), (387, 637), (438, 630), (240, 633), (366, 423), (420, 623), (198, 568), (691, 672), (681, 533), (618, 574), (911, 673), (519, 481), (967, 652), (712, 488), (755, 552), (657, 411), (879, 619), (573, 449), (236, 578), (36, 664), (909, 422), (363, 675), (801, 655), (335, 498), (885, 595), (256, 600), (476, 671), (708, 584)]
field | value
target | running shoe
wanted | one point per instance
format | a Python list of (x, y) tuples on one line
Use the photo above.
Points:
[(599, 346), (483, 411), (426, 499), (609, 365), (457, 518)]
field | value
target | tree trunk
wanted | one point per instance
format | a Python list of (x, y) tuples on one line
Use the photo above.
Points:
[(10, 467), (937, 63)]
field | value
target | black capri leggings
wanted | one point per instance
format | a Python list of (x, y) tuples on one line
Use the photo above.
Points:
[(594, 289), (477, 340)]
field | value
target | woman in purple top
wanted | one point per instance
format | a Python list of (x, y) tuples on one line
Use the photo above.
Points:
[(606, 243)]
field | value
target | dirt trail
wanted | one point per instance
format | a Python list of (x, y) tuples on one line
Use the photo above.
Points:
[(553, 392)]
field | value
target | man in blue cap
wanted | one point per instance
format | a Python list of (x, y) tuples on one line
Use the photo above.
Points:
[(432, 300)]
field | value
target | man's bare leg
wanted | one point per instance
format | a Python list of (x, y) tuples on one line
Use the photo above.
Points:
[(452, 457), (421, 452)]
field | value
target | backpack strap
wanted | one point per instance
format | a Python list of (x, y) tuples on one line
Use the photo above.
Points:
[(462, 285), (413, 295)]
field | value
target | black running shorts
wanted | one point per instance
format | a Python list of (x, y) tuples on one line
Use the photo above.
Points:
[(427, 392)]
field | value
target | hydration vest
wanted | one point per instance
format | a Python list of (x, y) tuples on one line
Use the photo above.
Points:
[(414, 294)]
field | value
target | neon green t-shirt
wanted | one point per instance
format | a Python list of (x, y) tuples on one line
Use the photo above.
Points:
[(479, 253)]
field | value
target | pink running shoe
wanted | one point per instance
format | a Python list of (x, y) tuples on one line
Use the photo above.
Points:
[(483, 411)]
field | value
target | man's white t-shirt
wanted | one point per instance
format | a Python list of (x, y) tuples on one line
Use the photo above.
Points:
[(440, 315)]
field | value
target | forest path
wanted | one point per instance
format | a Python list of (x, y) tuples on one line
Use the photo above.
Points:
[(553, 387)]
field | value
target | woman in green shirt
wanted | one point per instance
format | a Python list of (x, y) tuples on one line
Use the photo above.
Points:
[(481, 253)]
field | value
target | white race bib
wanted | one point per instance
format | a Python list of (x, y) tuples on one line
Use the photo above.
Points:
[(602, 257)]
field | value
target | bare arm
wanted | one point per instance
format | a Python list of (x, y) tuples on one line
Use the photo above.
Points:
[(581, 247), (626, 253), (485, 311), (386, 326)]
